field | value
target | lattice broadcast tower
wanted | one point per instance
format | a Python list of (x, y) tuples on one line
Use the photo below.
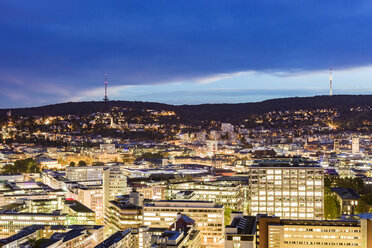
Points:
[(105, 98)]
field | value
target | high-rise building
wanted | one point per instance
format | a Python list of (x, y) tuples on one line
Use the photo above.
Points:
[(355, 145), (208, 216), (290, 188), (336, 146), (114, 183)]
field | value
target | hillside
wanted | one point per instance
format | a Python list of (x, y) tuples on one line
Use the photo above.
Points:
[(219, 112)]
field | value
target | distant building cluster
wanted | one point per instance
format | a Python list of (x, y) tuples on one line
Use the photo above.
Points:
[(146, 179)]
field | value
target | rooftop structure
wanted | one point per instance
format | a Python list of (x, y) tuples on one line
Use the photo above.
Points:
[(241, 232), (56, 236)]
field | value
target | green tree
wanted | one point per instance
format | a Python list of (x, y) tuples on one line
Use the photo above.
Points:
[(331, 207), (127, 159), (72, 163), (149, 155), (362, 206), (353, 183), (27, 165), (327, 182), (82, 163), (227, 215)]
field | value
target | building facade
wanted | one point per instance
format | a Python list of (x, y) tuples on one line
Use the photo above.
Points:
[(208, 216), (231, 195), (276, 233), (287, 189)]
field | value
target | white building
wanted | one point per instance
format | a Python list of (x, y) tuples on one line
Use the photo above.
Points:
[(227, 128), (107, 148), (84, 173), (114, 183), (208, 216), (355, 145), (287, 189)]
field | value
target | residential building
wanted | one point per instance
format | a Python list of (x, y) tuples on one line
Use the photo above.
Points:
[(347, 198)]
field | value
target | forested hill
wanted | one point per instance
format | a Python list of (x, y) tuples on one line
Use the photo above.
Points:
[(219, 112)]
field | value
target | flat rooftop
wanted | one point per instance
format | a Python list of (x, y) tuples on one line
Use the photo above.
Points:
[(184, 203)]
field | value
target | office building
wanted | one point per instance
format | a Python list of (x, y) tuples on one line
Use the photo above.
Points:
[(114, 183), (290, 188), (118, 239), (124, 212), (16, 216), (84, 173), (89, 195), (58, 236), (277, 233), (230, 195), (208, 216), (355, 146)]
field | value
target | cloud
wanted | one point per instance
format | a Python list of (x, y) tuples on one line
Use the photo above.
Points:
[(218, 77), (60, 50)]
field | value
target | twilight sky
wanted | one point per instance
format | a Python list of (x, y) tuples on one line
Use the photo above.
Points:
[(182, 51)]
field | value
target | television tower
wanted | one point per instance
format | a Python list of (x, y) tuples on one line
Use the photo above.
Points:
[(105, 98), (330, 81)]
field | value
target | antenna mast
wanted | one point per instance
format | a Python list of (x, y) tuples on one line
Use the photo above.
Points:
[(105, 98), (330, 81)]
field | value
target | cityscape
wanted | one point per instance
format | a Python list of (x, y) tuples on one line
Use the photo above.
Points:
[(83, 165)]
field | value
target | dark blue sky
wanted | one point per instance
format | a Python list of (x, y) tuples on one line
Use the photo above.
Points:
[(181, 51)]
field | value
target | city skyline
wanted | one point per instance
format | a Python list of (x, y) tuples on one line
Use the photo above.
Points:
[(198, 124)]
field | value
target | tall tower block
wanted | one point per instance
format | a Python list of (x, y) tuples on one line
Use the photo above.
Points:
[(355, 145), (330, 81), (105, 98)]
